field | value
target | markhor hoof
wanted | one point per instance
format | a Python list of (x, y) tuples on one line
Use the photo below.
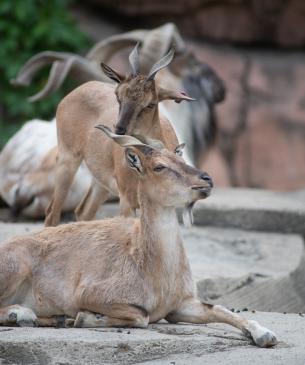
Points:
[(22, 317), (261, 336), (267, 340)]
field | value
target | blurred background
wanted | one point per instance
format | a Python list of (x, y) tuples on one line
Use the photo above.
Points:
[(256, 47)]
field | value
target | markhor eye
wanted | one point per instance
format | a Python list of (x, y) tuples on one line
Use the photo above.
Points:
[(159, 168), (150, 106)]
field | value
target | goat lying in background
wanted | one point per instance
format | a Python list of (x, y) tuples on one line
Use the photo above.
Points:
[(134, 104), (27, 171), (120, 271)]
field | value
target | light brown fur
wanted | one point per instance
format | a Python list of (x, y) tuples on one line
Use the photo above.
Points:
[(120, 271), (93, 103)]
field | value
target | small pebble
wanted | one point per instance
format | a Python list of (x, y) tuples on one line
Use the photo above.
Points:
[(119, 330), (253, 311), (284, 313), (232, 310), (128, 332), (245, 310), (301, 314)]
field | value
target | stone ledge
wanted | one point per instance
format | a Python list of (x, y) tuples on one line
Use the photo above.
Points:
[(253, 209), (159, 344)]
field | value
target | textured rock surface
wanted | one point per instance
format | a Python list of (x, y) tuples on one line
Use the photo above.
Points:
[(159, 344), (262, 120), (239, 21), (253, 209)]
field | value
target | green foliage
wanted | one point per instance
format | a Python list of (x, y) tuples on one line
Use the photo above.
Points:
[(26, 28)]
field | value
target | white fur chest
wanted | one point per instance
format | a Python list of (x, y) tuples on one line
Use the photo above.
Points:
[(173, 280)]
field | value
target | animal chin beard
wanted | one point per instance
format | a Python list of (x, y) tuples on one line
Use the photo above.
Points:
[(187, 215)]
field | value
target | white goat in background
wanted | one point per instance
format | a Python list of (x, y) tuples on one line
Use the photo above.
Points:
[(27, 175)]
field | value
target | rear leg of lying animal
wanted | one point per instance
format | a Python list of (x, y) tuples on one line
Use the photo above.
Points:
[(17, 315)]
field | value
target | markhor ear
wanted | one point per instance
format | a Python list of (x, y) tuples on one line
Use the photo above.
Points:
[(164, 94), (133, 160), (178, 150), (111, 73)]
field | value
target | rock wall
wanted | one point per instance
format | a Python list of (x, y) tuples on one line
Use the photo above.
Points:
[(277, 22), (262, 121)]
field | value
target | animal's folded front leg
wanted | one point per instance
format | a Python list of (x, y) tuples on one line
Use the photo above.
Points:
[(137, 318)]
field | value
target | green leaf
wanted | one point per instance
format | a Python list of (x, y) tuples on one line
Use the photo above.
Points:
[(28, 27)]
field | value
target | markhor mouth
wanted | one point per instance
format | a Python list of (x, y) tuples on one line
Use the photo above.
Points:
[(205, 190)]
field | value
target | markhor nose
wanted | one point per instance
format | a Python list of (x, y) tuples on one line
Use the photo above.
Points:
[(120, 130), (207, 179)]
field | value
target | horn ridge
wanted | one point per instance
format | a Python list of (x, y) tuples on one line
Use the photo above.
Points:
[(126, 140), (134, 60), (165, 61), (123, 140)]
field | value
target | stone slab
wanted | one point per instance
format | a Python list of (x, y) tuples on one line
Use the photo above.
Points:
[(159, 344), (253, 209)]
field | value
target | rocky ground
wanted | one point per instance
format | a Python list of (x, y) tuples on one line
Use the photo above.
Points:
[(159, 344)]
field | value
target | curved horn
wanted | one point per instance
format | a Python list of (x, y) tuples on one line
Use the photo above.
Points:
[(104, 49), (134, 60), (156, 144), (123, 140), (165, 61), (35, 63), (62, 64), (58, 73), (157, 42)]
